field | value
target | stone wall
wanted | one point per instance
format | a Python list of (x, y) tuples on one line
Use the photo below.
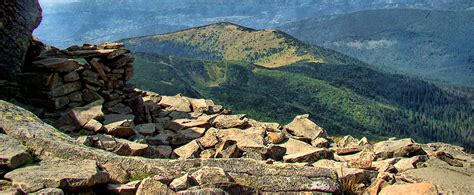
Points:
[(58, 80)]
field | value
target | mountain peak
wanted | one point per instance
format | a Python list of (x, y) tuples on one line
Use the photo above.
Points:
[(228, 41)]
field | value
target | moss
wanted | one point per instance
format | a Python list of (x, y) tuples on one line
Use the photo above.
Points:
[(137, 176)]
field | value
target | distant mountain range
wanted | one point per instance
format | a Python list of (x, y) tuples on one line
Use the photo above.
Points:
[(106, 20), (254, 71), (436, 45)]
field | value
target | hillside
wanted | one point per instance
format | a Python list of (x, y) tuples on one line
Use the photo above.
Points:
[(431, 44), (341, 93)]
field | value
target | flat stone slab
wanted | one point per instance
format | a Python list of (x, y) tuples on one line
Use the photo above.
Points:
[(12, 153), (63, 174)]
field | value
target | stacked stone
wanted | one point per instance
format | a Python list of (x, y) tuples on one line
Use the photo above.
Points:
[(69, 78)]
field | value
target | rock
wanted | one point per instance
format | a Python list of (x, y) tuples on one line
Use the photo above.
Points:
[(119, 146), (80, 116), (176, 103), (162, 151), (416, 188), (190, 150), (49, 191), (448, 179), (230, 121), (119, 125), (310, 156), (204, 106), (57, 64), (46, 142), (276, 137), (19, 19), (93, 125), (152, 186), (146, 129), (209, 153), (99, 67), (12, 153), (124, 189), (320, 142), (276, 152), (120, 109), (249, 139), (60, 102), (192, 133), (405, 164), (364, 161), (75, 96), (116, 173), (203, 191), (210, 139), (346, 151), (300, 151), (179, 124), (397, 148), (65, 89), (67, 175), (301, 126), (210, 175), (110, 45), (180, 183), (72, 76), (227, 149), (347, 141), (448, 158)]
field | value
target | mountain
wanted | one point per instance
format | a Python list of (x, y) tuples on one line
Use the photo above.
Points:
[(76, 21), (431, 44), (341, 93)]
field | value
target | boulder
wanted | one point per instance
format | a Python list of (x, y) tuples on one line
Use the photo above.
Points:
[(320, 142), (116, 173), (72, 76), (416, 188), (192, 133), (80, 116), (405, 164), (93, 125), (119, 125), (397, 148), (209, 153), (301, 126), (252, 138), (146, 129), (227, 149), (298, 151), (230, 121), (152, 186), (210, 175), (204, 106), (64, 174), (12, 153), (276, 137), (123, 189), (190, 150), (180, 183), (176, 103), (180, 124)]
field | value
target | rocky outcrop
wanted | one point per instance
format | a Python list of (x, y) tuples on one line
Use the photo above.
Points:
[(19, 19), (46, 143)]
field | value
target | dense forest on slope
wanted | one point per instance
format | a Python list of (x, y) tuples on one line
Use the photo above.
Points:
[(436, 45)]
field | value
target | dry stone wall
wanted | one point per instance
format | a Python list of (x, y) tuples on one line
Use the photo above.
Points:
[(58, 80)]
